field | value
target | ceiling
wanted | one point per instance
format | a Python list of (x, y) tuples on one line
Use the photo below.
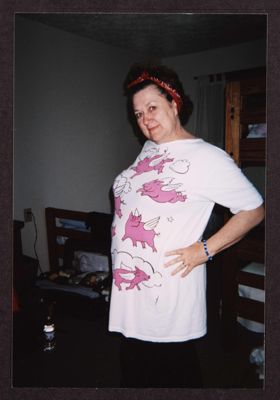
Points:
[(161, 35)]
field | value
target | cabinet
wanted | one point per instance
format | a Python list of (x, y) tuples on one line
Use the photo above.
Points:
[(245, 108)]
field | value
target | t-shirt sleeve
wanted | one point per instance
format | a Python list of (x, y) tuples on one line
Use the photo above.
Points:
[(226, 184)]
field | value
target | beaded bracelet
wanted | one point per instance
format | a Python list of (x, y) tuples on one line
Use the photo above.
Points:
[(206, 250)]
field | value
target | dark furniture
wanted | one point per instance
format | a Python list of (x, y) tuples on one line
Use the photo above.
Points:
[(93, 235), (245, 106), (96, 239), (250, 249), (24, 270)]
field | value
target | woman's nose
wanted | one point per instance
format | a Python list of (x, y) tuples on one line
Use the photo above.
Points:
[(146, 119)]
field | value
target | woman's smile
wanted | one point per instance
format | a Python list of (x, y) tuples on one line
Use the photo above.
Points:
[(151, 129)]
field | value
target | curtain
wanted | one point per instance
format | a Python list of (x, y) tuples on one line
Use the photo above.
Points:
[(210, 109)]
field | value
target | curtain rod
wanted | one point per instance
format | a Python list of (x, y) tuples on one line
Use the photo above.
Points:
[(239, 74)]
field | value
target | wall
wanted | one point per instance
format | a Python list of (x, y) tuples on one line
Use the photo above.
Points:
[(71, 131)]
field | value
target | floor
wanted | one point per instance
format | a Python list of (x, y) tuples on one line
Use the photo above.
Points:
[(87, 355)]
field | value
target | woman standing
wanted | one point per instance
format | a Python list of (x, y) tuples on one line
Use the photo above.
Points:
[(162, 205)]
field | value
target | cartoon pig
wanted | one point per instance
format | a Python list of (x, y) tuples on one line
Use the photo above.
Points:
[(118, 203), (120, 188), (142, 232), (162, 192), (148, 164), (139, 276), (113, 230)]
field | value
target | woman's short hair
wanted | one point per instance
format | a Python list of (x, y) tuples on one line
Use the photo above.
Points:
[(161, 73)]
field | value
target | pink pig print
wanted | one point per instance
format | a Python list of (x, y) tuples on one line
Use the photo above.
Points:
[(148, 164), (138, 276), (121, 187), (139, 231), (162, 192), (118, 204), (113, 230)]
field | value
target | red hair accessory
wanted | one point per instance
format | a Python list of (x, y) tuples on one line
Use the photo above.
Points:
[(146, 77)]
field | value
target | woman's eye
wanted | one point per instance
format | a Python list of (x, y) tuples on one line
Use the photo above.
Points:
[(152, 108), (138, 115)]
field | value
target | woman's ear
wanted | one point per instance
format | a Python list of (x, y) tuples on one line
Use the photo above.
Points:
[(175, 107)]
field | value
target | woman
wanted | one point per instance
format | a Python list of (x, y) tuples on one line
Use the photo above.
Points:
[(162, 205)]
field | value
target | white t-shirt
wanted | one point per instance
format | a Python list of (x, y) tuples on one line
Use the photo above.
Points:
[(163, 202)]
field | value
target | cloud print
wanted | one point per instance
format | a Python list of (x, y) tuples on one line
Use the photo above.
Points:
[(180, 166), (121, 186), (126, 261)]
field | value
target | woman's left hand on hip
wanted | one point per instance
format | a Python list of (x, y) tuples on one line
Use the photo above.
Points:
[(187, 259)]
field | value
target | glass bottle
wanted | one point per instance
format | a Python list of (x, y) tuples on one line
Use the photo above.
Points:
[(49, 330)]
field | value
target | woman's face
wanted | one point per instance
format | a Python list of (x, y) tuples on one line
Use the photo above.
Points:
[(156, 116)]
